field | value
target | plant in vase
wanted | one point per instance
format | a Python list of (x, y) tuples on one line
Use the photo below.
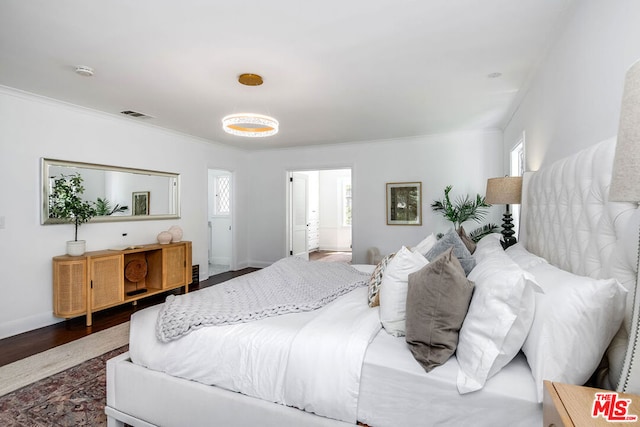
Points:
[(66, 203), (465, 209)]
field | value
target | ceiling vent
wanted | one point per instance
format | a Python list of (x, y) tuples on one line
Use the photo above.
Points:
[(136, 114)]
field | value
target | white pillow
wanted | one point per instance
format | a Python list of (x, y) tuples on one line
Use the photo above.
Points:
[(523, 257), (488, 245), (574, 323), (498, 320), (425, 245), (393, 290)]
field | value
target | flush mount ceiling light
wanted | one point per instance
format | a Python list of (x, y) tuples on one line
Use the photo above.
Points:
[(249, 124), (249, 79)]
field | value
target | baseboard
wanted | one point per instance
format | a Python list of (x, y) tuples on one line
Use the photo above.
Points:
[(26, 324), (259, 264)]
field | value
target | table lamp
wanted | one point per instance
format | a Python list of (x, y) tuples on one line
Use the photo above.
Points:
[(505, 191)]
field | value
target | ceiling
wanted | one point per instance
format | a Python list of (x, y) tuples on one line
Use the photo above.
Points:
[(334, 71)]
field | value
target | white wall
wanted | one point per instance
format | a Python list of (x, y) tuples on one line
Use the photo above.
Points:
[(464, 160), (574, 99), (33, 127)]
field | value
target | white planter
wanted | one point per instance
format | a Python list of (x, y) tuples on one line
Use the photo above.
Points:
[(76, 247)]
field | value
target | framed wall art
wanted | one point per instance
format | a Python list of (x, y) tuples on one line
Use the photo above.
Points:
[(140, 203), (404, 203)]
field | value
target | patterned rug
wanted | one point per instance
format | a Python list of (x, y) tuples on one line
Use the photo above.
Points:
[(74, 397)]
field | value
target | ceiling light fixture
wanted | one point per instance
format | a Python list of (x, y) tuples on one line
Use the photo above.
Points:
[(84, 71), (249, 124), (249, 79)]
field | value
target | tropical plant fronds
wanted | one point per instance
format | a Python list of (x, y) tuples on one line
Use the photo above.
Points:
[(462, 209), (103, 207), (480, 232)]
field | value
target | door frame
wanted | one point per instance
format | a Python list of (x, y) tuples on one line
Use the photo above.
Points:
[(232, 216), (288, 224)]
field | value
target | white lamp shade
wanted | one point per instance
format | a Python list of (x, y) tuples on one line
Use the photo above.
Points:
[(625, 182)]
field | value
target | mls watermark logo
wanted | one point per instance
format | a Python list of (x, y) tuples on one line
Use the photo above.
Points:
[(612, 408)]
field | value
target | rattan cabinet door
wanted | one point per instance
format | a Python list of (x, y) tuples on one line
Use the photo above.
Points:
[(174, 260), (69, 286), (107, 281)]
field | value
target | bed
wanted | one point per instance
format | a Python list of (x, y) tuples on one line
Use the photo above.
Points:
[(575, 246)]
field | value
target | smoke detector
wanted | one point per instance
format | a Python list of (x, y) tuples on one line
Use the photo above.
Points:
[(84, 71)]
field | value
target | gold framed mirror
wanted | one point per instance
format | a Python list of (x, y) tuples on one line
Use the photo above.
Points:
[(116, 192)]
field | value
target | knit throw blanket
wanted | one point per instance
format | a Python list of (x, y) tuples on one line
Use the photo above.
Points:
[(289, 285)]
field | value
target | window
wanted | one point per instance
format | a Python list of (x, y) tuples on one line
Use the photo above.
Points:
[(223, 195), (517, 164), (517, 158)]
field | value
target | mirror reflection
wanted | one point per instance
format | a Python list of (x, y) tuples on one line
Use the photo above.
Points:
[(116, 193)]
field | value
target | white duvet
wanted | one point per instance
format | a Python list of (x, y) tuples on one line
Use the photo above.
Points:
[(284, 359)]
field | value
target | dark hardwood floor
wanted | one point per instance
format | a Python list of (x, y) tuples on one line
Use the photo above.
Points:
[(29, 343)]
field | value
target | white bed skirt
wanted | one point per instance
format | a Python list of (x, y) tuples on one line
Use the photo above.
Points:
[(149, 398)]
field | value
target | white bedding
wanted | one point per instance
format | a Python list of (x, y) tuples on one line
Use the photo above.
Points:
[(396, 391), (393, 388), (281, 359)]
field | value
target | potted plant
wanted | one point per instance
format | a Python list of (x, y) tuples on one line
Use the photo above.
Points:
[(465, 209), (66, 203)]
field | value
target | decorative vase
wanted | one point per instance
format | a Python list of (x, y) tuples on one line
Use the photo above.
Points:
[(76, 247), (176, 233), (164, 237)]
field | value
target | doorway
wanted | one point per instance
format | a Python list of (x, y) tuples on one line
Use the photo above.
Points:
[(220, 218), (319, 220)]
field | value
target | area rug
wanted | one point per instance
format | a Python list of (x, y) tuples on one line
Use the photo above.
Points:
[(74, 397), (31, 369)]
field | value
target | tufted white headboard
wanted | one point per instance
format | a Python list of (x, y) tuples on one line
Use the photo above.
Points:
[(568, 220)]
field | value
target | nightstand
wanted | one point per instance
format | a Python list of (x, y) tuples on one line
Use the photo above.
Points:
[(571, 405)]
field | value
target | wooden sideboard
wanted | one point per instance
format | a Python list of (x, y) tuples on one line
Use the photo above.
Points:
[(96, 280)]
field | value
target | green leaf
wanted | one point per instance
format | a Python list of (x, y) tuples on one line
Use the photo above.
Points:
[(65, 201)]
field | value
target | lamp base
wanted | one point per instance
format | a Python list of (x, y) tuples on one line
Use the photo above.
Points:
[(507, 231), (508, 241)]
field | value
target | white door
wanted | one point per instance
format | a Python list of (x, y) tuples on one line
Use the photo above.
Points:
[(220, 221), (299, 221)]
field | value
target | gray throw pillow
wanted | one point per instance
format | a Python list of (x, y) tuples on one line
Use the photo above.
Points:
[(459, 250), (438, 298)]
